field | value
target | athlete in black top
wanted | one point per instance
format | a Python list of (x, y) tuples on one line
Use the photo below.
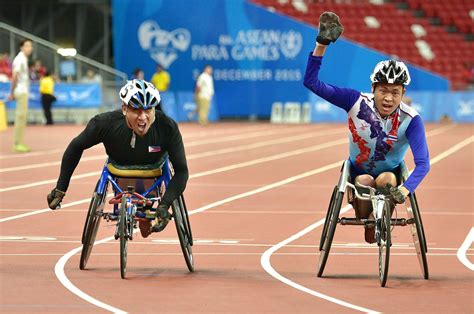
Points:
[(136, 135)]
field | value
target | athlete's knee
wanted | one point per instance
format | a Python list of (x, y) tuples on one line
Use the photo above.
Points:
[(386, 178), (365, 179)]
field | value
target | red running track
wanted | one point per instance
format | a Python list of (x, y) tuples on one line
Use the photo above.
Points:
[(252, 186)]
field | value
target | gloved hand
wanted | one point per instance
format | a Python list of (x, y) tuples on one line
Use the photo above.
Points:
[(396, 194), (330, 28), (55, 198), (163, 216)]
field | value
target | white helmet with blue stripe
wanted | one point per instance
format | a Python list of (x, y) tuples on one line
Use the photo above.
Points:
[(140, 94)]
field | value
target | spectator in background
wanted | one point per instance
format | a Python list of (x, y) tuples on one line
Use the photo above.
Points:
[(203, 94), (92, 77), (19, 90), (138, 74), (161, 79), (37, 70), (46, 90), (5, 67)]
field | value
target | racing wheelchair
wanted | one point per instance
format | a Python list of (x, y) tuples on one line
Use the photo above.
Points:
[(132, 203), (382, 222)]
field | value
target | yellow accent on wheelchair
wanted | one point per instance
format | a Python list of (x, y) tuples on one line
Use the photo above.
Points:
[(134, 173)]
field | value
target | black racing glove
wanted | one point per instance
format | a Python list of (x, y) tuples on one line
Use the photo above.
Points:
[(330, 28), (163, 216), (396, 194), (55, 198)]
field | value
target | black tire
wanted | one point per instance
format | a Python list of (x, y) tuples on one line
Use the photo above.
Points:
[(179, 219), (331, 229), (123, 235), (182, 203), (418, 236), (384, 243), (326, 221), (91, 226)]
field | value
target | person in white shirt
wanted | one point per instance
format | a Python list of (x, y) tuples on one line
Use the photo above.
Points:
[(19, 91), (203, 93)]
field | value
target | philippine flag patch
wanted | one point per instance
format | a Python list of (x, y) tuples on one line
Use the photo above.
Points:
[(154, 149)]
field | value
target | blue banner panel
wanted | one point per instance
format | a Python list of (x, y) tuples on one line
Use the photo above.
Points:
[(186, 108), (259, 57), (69, 95), (432, 107)]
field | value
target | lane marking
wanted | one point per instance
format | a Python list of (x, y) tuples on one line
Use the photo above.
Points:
[(200, 174), (265, 259), (191, 156), (231, 167), (60, 265), (235, 253), (225, 168), (462, 252)]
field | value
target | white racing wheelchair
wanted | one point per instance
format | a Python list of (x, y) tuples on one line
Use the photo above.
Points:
[(383, 222)]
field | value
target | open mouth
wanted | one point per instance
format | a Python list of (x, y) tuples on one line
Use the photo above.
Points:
[(386, 107), (141, 126)]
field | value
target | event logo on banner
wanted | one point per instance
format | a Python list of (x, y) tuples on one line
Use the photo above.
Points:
[(251, 44), (162, 45)]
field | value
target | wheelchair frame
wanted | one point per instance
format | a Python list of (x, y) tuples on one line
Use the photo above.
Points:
[(332, 219), (128, 202)]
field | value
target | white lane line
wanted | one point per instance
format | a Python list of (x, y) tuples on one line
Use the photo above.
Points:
[(234, 253), (60, 265), (265, 259), (462, 252), (192, 156), (267, 266), (205, 173)]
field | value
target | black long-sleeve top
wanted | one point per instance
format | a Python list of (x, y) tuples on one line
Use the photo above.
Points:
[(110, 128)]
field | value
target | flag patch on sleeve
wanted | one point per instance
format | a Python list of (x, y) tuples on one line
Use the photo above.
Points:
[(154, 149)]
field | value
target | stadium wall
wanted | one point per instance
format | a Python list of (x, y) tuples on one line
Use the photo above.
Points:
[(259, 57)]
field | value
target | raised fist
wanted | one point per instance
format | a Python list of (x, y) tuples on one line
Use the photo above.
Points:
[(330, 28)]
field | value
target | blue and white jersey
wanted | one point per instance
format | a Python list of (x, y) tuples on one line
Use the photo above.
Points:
[(376, 144)]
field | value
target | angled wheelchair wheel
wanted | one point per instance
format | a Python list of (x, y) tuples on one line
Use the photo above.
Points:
[(326, 221), (330, 226), (89, 233), (182, 203), (179, 217), (418, 235), (384, 242), (123, 235)]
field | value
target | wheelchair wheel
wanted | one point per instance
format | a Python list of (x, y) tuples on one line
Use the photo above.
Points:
[(91, 226), (179, 216), (418, 236), (331, 221), (182, 203), (384, 242), (326, 221), (123, 235)]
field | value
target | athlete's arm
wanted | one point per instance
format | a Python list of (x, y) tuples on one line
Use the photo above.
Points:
[(178, 159), (417, 140), (341, 97), (88, 138)]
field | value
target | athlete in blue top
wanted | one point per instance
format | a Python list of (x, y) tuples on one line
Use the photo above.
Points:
[(381, 128)]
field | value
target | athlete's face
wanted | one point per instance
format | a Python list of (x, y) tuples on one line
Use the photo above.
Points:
[(139, 120), (387, 97)]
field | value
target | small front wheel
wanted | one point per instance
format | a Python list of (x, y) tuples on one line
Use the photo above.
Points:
[(123, 235), (384, 242)]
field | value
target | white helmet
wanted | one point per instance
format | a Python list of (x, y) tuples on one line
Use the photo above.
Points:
[(392, 72), (140, 94)]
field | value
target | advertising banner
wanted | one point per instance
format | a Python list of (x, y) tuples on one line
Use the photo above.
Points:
[(259, 57)]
